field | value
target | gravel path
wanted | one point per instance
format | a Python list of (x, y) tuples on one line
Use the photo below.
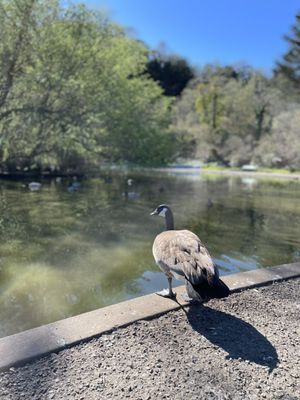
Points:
[(242, 347)]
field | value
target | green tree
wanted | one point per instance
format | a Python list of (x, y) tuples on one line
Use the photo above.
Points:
[(229, 114), (251, 107), (172, 72), (282, 147), (73, 90), (289, 66)]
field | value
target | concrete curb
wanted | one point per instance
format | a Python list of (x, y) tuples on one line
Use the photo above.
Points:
[(28, 345)]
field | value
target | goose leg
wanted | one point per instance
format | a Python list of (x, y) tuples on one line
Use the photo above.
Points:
[(168, 293)]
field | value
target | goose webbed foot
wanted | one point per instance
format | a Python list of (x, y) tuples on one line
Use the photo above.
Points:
[(167, 293), (190, 300)]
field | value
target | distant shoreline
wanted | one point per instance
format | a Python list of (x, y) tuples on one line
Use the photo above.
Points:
[(258, 174), (231, 172), (172, 169)]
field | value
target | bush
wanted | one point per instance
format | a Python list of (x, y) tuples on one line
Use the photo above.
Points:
[(282, 147)]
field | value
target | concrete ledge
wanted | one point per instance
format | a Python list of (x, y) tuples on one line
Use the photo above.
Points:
[(261, 277), (28, 345)]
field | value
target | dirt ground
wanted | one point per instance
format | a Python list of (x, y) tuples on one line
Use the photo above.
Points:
[(246, 346)]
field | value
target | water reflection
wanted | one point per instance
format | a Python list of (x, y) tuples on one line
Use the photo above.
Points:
[(62, 252)]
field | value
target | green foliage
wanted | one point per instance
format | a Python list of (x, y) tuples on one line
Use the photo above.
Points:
[(282, 147), (289, 66), (171, 72), (73, 90), (230, 115)]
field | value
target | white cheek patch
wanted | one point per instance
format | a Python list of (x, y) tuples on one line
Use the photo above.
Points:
[(163, 212)]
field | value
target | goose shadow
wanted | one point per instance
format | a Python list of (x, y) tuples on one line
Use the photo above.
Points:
[(235, 336)]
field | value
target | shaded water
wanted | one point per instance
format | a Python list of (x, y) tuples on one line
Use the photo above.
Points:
[(65, 251)]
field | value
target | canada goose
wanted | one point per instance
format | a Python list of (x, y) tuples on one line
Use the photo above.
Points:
[(130, 195), (75, 183), (129, 182), (181, 254), (34, 186)]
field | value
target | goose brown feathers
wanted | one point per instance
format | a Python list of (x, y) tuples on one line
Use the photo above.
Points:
[(181, 254)]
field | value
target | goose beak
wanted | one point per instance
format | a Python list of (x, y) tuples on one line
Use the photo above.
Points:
[(154, 212)]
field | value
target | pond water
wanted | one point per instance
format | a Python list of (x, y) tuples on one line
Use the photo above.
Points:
[(66, 249)]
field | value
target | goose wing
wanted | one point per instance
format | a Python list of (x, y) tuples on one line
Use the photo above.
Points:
[(182, 253)]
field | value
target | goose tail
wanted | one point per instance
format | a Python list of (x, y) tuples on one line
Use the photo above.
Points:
[(206, 290)]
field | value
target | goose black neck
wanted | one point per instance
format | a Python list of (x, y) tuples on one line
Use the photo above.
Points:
[(169, 220)]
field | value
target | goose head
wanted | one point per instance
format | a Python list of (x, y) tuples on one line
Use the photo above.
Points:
[(165, 211)]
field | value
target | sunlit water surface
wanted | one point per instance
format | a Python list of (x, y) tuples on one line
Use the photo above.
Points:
[(66, 250)]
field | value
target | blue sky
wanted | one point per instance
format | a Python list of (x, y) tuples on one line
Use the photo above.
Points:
[(205, 31)]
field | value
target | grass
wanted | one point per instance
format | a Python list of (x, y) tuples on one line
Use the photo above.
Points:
[(215, 167), (277, 170)]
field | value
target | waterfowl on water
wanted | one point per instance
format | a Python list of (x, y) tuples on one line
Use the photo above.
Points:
[(181, 254), (34, 186)]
